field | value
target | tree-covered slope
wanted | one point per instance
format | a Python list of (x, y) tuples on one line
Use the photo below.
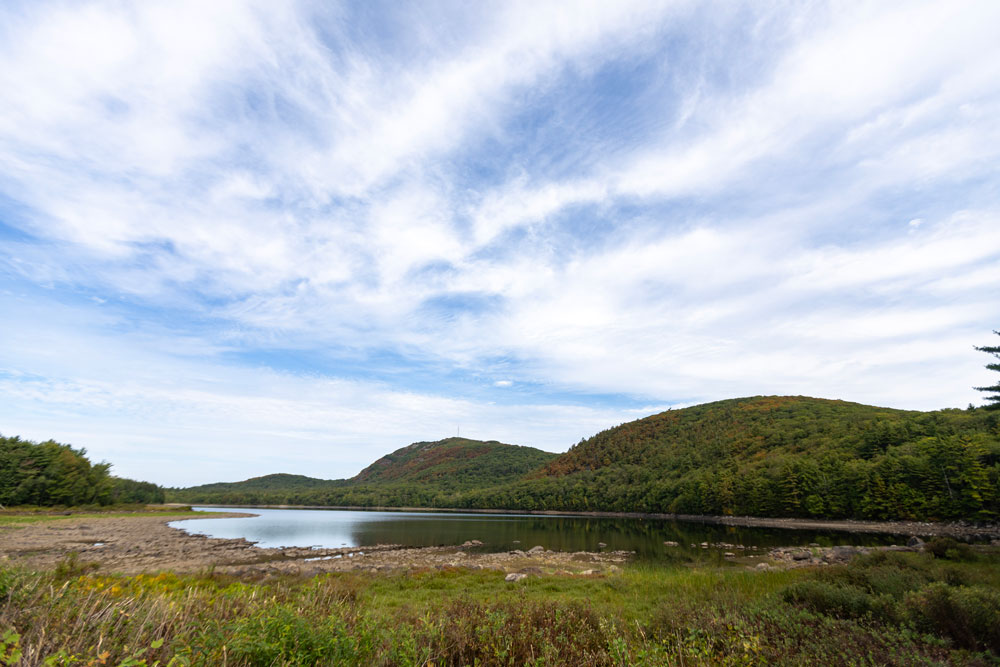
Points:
[(455, 462), (278, 482), (762, 456), (421, 474), (778, 456)]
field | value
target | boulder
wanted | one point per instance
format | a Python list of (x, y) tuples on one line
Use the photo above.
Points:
[(915, 542), (515, 577), (536, 550)]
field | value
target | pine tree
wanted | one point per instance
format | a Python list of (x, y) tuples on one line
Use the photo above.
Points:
[(993, 402)]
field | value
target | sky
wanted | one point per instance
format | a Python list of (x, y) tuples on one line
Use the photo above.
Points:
[(239, 238)]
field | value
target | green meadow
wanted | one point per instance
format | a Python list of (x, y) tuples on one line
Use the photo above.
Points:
[(937, 607)]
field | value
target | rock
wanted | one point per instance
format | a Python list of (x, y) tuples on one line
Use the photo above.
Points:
[(531, 570), (763, 566), (472, 543), (585, 573), (515, 577), (915, 542), (670, 543), (601, 545), (517, 552), (460, 554), (840, 554), (814, 544), (729, 554), (536, 550), (801, 555)]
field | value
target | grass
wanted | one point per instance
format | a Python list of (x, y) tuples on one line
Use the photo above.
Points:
[(902, 609), (19, 516)]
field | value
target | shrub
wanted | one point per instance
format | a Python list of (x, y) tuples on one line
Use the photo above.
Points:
[(839, 601), (969, 615), (949, 549)]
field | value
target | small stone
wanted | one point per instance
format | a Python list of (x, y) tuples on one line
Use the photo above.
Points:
[(536, 550), (515, 577), (763, 566), (670, 543), (729, 554)]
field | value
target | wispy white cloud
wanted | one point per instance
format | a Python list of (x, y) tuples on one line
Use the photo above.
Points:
[(610, 204)]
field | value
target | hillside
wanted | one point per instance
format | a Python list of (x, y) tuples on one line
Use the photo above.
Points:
[(418, 474), (275, 482), (455, 462), (771, 456), (778, 456)]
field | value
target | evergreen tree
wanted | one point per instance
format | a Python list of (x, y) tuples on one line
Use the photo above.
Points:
[(994, 400)]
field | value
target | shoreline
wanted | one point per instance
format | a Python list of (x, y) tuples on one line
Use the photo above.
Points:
[(959, 529)]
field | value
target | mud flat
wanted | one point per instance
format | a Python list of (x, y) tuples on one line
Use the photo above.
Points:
[(132, 545)]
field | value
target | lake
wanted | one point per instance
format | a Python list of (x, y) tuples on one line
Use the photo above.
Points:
[(498, 532)]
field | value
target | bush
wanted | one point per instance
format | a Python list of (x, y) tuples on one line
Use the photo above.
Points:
[(949, 549), (839, 601), (969, 615)]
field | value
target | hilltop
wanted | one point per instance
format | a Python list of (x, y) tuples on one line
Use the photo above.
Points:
[(417, 472), (455, 462)]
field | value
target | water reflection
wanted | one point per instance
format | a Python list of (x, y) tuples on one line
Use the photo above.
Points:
[(498, 532)]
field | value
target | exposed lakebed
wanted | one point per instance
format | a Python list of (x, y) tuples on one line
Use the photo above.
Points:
[(502, 532)]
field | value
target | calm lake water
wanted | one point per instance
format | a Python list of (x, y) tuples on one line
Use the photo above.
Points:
[(498, 532)]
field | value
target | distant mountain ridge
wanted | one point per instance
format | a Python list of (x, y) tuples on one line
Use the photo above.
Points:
[(450, 464), (775, 456)]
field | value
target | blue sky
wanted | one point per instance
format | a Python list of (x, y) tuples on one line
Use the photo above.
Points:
[(246, 237)]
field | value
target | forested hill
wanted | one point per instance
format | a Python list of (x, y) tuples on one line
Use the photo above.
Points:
[(762, 456), (423, 473), (778, 456), (455, 462), (277, 482)]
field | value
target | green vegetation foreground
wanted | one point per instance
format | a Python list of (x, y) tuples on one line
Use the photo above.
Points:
[(938, 607)]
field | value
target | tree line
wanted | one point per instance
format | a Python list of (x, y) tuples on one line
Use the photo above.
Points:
[(53, 474)]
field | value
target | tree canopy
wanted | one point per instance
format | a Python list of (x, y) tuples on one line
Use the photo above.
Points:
[(50, 473), (993, 401)]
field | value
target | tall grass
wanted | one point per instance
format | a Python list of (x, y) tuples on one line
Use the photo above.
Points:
[(645, 615)]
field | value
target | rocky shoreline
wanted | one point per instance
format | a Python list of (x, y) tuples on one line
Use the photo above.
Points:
[(140, 544), (145, 543)]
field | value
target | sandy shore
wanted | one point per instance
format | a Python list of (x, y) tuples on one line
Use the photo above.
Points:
[(132, 545)]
